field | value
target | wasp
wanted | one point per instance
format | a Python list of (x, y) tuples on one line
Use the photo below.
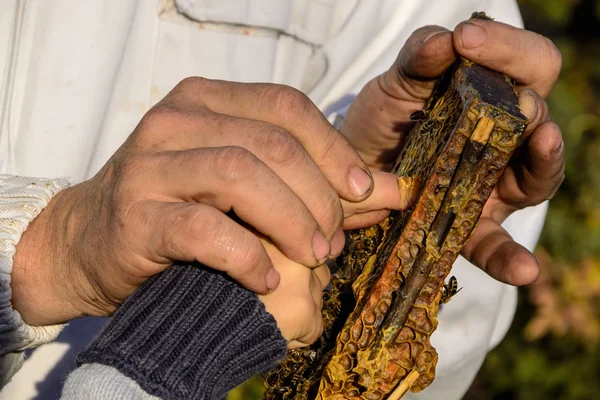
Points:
[(449, 290)]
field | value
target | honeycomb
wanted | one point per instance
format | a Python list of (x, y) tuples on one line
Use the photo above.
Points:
[(381, 309)]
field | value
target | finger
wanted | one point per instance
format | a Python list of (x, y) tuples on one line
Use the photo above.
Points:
[(536, 175), (390, 193), (390, 98), (233, 179), (426, 55), (529, 58), (365, 220), (313, 328), (293, 111), (338, 242), (534, 107), (493, 250), (197, 232), (299, 315), (324, 275), (286, 156), (273, 145)]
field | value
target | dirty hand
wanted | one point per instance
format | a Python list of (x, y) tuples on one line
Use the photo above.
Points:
[(207, 169), (378, 121)]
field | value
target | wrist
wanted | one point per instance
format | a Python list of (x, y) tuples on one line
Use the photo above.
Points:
[(42, 288)]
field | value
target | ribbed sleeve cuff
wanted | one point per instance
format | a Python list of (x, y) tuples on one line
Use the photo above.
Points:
[(189, 333), (21, 200)]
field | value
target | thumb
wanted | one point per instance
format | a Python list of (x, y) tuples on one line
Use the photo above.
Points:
[(427, 53)]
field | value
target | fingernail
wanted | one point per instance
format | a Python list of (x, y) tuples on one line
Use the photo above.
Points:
[(337, 242), (409, 191), (321, 246), (557, 149), (432, 35), (272, 280), (529, 105), (472, 35), (360, 181)]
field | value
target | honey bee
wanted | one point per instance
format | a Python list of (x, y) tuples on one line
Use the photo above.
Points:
[(419, 115), (423, 116), (449, 289), (310, 355)]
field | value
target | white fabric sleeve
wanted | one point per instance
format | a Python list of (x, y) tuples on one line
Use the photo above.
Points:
[(21, 200)]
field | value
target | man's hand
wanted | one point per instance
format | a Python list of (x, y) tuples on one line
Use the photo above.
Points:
[(378, 121), (208, 170)]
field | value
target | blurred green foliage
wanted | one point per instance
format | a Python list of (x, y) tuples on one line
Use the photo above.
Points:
[(574, 105), (552, 351)]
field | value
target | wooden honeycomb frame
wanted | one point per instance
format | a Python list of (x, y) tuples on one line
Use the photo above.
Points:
[(382, 308)]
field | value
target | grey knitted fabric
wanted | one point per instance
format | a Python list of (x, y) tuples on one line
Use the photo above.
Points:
[(189, 333), (101, 382)]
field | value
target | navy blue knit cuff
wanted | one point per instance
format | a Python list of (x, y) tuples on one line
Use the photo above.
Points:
[(189, 333)]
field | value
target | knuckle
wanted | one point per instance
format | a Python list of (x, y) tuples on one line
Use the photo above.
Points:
[(281, 147), (238, 250), (290, 102), (199, 224), (332, 212), (249, 255), (159, 115), (425, 31), (156, 123), (245, 254), (194, 224), (327, 143), (190, 83), (234, 164)]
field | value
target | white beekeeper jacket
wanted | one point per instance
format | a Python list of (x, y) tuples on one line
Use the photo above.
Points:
[(76, 76)]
